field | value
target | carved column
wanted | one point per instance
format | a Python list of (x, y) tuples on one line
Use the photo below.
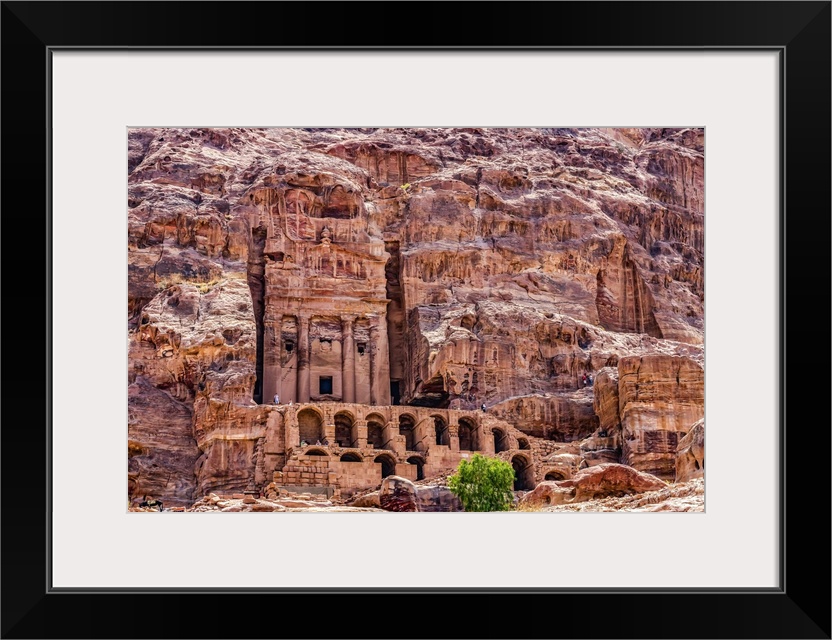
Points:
[(271, 362), (348, 360), (487, 444), (360, 434), (380, 362), (291, 433), (329, 426), (303, 358), (329, 434), (453, 437)]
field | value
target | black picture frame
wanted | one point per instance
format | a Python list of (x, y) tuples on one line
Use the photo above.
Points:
[(799, 31)]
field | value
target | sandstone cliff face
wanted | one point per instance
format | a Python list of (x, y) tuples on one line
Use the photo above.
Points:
[(513, 260)]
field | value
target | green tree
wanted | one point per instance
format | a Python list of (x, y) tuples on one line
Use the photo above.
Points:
[(483, 484)]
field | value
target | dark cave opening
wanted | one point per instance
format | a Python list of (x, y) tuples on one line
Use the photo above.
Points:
[(256, 274)]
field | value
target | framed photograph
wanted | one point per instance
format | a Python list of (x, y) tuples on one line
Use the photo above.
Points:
[(553, 244)]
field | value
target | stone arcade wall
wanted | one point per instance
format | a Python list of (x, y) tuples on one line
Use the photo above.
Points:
[(328, 444)]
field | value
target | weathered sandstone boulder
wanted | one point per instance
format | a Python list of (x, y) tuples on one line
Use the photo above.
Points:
[(604, 480), (432, 498), (546, 493), (683, 497), (398, 494), (690, 454), (367, 500)]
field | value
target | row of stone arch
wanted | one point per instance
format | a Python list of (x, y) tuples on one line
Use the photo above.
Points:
[(524, 479), (388, 461), (524, 475), (310, 431)]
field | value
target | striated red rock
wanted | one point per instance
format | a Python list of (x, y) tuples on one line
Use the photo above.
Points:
[(161, 449), (437, 267), (601, 481), (684, 497), (429, 498), (433, 498), (545, 494), (611, 480), (367, 500), (564, 417), (660, 397), (690, 454), (398, 494), (605, 400)]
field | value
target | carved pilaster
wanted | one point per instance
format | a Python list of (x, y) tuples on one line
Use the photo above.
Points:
[(380, 362), (360, 434), (348, 359), (453, 435), (303, 358)]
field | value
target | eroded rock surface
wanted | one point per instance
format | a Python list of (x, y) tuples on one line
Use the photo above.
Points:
[(398, 494), (601, 481), (659, 397), (434, 267), (690, 454), (683, 497)]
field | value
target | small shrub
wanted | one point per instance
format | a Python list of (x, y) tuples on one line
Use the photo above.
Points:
[(530, 507), (483, 484), (168, 281), (205, 287)]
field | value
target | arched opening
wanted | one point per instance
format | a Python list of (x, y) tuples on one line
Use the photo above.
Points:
[(388, 465), (464, 437), (350, 457), (432, 394), (470, 427), (420, 471), (375, 431), (522, 443), (340, 204), (377, 417), (310, 426), (343, 429), (316, 452), (500, 440), (406, 424), (375, 435), (555, 476), (441, 431), (523, 473)]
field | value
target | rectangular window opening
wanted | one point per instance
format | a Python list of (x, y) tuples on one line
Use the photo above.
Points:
[(326, 385)]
